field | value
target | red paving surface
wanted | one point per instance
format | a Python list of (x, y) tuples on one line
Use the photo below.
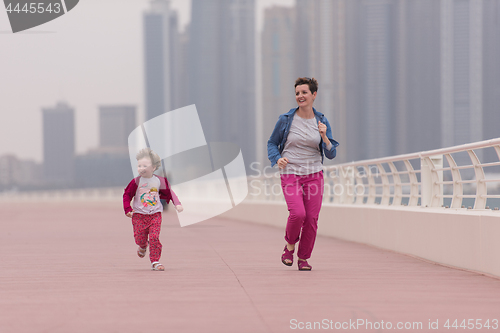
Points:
[(68, 268)]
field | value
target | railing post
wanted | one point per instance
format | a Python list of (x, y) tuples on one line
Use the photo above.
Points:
[(386, 190), (398, 189), (430, 191), (347, 181), (372, 192), (349, 186), (458, 188), (413, 200), (481, 188), (358, 180)]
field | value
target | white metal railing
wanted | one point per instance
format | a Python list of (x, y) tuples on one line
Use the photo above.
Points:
[(435, 178), (449, 177)]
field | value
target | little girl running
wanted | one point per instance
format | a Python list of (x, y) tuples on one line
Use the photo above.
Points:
[(147, 190)]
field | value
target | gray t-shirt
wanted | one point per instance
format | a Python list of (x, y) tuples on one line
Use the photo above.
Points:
[(302, 147)]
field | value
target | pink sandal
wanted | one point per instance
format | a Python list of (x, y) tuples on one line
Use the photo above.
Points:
[(287, 255), (303, 265)]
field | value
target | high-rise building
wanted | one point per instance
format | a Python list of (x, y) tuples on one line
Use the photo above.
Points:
[(378, 67), (19, 174), (103, 167), (397, 76), (392, 77), (370, 78), (10, 172), (182, 97), (116, 122), (491, 69), (461, 71), (491, 76), (59, 145), (161, 38), (320, 52), (417, 89), (377, 55), (278, 50), (222, 70), (354, 83)]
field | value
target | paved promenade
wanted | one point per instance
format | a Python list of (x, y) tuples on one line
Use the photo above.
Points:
[(72, 268)]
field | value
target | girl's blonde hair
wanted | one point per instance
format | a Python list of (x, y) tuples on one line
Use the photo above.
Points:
[(148, 153)]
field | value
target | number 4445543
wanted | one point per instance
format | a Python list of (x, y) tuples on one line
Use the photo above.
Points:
[(472, 324), (35, 7)]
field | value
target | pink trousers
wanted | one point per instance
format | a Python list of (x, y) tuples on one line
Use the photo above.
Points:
[(303, 195), (148, 225)]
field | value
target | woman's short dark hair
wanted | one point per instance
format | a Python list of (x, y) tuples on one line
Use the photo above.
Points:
[(312, 83)]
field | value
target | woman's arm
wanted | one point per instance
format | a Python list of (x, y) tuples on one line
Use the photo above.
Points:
[(332, 152), (273, 152)]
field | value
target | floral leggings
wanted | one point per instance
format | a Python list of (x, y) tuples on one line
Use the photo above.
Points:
[(145, 225)]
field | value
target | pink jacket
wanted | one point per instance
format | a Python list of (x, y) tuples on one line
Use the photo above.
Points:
[(165, 193)]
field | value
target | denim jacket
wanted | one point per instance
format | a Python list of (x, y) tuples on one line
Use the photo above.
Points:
[(276, 142)]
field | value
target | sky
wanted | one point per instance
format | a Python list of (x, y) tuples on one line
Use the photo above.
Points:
[(89, 57)]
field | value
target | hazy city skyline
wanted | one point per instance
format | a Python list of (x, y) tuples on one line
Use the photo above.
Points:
[(388, 70), (91, 57)]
